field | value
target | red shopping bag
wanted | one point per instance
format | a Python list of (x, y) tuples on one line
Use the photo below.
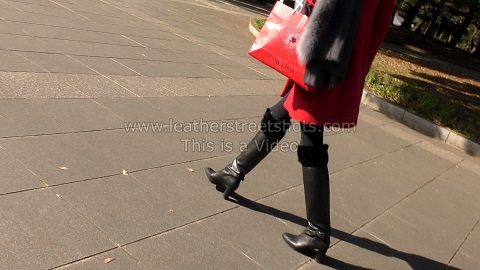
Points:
[(275, 45)]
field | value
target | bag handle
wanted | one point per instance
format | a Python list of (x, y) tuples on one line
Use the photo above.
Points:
[(299, 4)]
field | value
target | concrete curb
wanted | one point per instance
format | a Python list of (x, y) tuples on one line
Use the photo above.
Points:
[(252, 28), (411, 120), (424, 126)]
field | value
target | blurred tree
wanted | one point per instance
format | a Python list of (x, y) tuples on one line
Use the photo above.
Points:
[(470, 7), (412, 12), (476, 38), (456, 22), (437, 10)]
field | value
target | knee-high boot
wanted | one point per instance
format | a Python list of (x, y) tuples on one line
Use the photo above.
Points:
[(271, 132), (316, 236)]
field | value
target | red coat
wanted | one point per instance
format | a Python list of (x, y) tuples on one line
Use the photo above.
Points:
[(339, 106)]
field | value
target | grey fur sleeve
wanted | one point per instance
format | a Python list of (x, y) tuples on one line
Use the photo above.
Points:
[(326, 43), (316, 27)]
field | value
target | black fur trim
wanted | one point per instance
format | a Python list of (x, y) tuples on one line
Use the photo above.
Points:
[(272, 127), (313, 156)]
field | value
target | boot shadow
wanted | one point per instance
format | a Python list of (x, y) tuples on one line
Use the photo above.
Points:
[(259, 207), (413, 260)]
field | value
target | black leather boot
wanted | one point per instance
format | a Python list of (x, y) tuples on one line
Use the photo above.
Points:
[(316, 236), (271, 132)]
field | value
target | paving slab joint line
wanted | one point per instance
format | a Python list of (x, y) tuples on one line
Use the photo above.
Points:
[(463, 243), (409, 119), (105, 176), (58, 267), (383, 212), (121, 246)]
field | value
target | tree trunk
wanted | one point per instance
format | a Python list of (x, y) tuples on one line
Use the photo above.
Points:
[(436, 13), (477, 51), (477, 48), (412, 13), (444, 34), (418, 26), (463, 28), (427, 29)]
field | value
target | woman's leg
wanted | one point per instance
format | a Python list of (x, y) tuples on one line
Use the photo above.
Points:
[(313, 155), (278, 110), (273, 127)]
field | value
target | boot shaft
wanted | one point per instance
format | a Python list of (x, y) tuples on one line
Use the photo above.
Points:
[(271, 132), (316, 183)]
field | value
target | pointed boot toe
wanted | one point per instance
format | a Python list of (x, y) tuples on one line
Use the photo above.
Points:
[(290, 240), (309, 242), (211, 175)]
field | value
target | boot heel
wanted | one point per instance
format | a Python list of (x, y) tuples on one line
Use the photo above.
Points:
[(230, 189), (321, 255)]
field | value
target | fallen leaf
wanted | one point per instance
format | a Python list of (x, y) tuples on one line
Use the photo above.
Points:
[(125, 172), (63, 168), (190, 169), (107, 260)]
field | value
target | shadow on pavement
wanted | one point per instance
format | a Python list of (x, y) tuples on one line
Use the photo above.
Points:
[(413, 260), (256, 206)]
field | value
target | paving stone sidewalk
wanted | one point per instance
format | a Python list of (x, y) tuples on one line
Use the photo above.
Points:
[(84, 185)]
